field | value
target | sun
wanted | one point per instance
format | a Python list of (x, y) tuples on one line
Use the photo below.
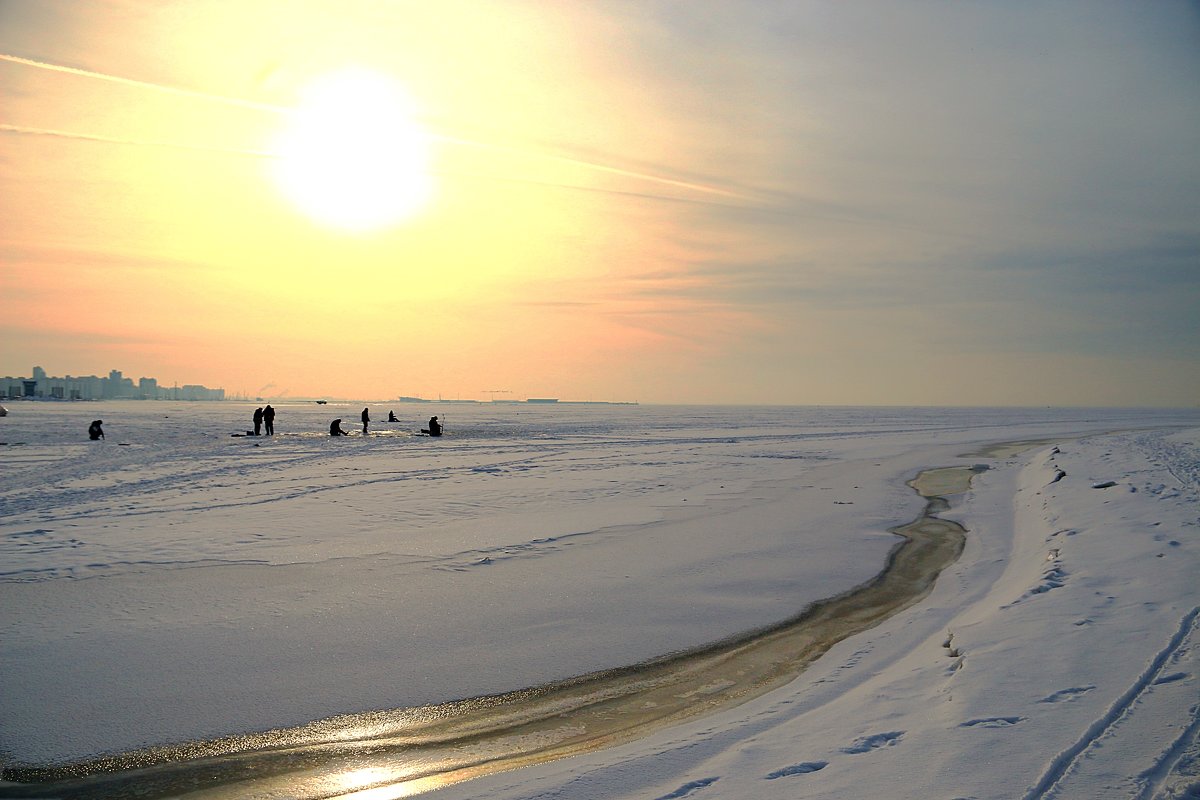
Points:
[(352, 154)]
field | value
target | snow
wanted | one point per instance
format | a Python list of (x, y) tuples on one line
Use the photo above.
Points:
[(173, 583)]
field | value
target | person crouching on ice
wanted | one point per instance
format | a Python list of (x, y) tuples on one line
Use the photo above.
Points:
[(95, 432), (335, 428)]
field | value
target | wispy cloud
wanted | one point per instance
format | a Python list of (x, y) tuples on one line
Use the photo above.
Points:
[(710, 190)]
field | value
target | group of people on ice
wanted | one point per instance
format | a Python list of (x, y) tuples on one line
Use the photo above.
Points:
[(335, 427), (265, 417)]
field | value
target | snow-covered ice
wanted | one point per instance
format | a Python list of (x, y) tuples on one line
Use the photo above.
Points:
[(174, 583)]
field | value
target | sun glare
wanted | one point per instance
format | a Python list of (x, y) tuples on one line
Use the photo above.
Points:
[(352, 155)]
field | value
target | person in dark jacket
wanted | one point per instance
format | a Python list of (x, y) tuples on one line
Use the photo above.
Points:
[(258, 418), (269, 419), (366, 418), (335, 428), (95, 432), (435, 427)]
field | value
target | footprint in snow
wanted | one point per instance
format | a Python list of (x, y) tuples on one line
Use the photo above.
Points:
[(991, 722), (798, 769), (1053, 579), (866, 744), (1066, 695), (688, 788)]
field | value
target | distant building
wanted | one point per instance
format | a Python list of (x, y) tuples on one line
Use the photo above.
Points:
[(193, 392), (115, 386)]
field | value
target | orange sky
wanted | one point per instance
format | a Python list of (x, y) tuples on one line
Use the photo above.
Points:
[(651, 202)]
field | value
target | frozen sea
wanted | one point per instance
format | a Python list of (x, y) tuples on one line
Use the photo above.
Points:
[(175, 582)]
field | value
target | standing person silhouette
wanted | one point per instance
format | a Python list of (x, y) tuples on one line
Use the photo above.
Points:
[(269, 419), (366, 418), (258, 418)]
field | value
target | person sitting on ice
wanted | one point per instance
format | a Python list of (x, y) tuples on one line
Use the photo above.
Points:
[(95, 432), (335, 428), (435, 427), (392, 416)]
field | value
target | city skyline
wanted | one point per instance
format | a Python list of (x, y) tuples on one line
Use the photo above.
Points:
[(799, 203), (115, 386), (39, 385)]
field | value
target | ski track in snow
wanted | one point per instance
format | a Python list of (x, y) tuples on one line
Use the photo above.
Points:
[(1052, 782)]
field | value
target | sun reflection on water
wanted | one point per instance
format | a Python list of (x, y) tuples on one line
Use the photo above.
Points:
[(386, 784)]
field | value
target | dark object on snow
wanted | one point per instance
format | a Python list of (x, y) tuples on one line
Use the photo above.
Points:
[(258, 418), (95, 432), (269, 419), (434, 429), (335, 428)]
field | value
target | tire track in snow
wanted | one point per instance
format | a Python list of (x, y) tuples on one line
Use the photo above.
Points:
[(1062, 765)]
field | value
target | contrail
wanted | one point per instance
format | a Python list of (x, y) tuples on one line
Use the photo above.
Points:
[(158, 87), (91, 137), (698, 187), (674, 198), (276, 109)]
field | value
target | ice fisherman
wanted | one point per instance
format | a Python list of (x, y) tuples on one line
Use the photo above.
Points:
[(335, 428), (392, 416), (435, 427), (269, 419), (95, 432), (366, 418), (258, 418)]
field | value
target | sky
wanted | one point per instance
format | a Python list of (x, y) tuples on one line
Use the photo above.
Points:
[(926, 203)]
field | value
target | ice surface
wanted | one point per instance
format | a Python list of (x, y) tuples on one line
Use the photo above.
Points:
[(174, 582)]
